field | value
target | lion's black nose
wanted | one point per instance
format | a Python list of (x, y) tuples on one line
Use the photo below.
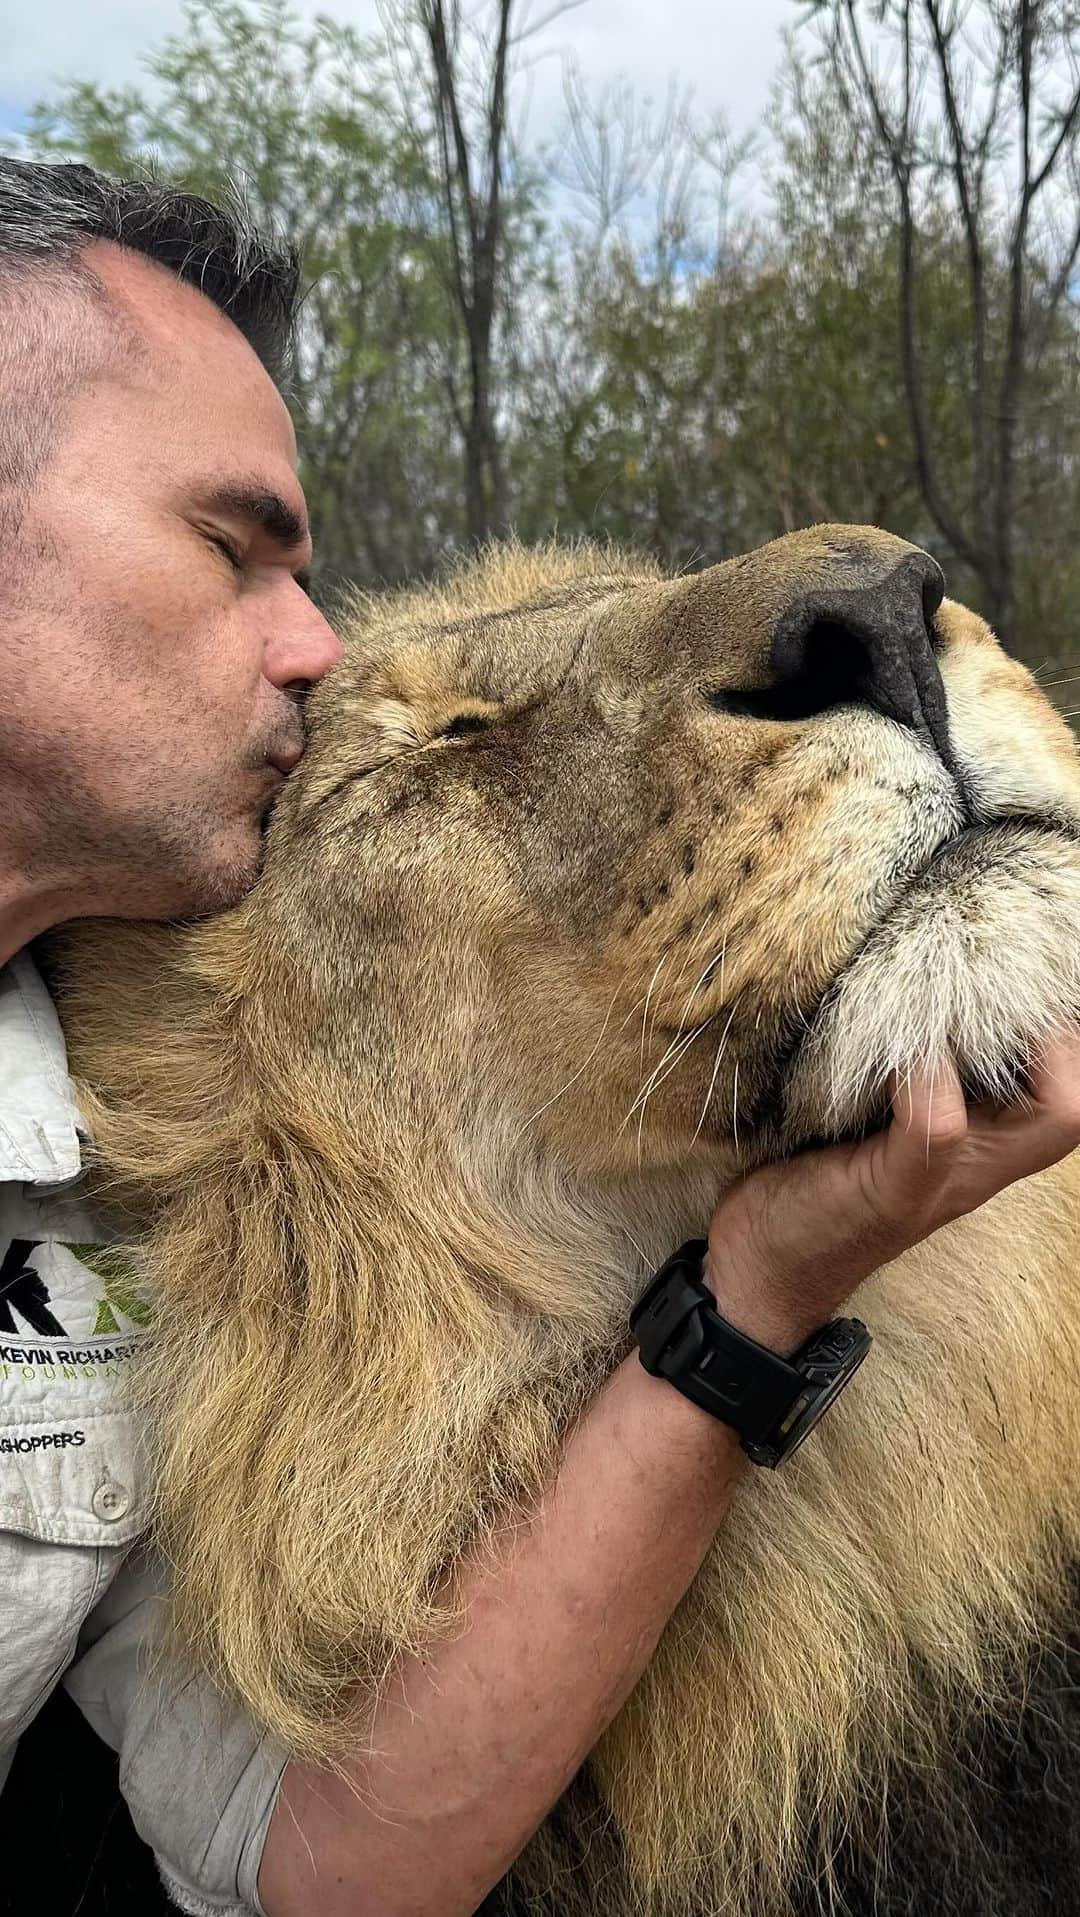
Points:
[(872, 645)]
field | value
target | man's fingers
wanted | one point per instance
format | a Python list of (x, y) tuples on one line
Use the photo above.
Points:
[(1046, 1126), (900, 1172), (934, 1130), (929, 1112), (795, 1237), (1055, 1079)]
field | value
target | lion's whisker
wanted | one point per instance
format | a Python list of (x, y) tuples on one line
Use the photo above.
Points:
[(694, 945), (677, 1045), (723, 959), (655, 1083), (661, 962), (712, 1081), (641, 1252), (576, 1075), (671, 1058), (694, 989)]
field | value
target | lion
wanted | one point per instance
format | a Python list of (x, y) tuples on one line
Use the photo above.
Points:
[(595, 890)]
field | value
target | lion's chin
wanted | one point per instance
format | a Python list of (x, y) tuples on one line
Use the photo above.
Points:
[(980, 959)]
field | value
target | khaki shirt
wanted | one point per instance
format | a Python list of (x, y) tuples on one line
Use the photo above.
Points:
[(81, 1595)]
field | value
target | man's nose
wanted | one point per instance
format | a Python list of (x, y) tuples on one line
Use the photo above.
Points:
[(303, 649)]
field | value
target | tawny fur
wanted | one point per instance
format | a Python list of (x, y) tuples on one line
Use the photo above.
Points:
[(512, 1003)]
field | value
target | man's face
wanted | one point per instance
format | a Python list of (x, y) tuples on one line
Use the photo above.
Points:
[(155, 635)]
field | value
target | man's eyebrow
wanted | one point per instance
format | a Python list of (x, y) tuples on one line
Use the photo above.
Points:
[(259, 507)]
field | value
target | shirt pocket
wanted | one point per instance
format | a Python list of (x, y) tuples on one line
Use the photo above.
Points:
[(73, 1474), (48, 1590), (72, 1499)]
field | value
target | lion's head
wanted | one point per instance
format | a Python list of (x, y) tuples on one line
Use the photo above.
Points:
[(594, 888), (764, 825)]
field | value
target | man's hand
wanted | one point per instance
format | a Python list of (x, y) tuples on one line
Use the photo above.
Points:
[(790, 1242)]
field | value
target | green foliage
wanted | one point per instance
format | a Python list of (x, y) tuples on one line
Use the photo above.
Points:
[(682, 377)]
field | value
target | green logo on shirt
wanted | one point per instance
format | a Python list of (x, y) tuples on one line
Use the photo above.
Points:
[(116, 1269)]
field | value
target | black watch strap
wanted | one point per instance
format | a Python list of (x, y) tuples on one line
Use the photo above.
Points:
[(682, 1337)]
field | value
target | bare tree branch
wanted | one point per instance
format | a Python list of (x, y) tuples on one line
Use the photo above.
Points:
[(1070, 123), (897, 144), (942, 36), (962, 139), (1056, 292), (472, 192), (1013, 369), (531, 28)]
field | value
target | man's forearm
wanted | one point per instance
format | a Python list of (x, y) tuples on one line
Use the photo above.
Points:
[(475, 1744)]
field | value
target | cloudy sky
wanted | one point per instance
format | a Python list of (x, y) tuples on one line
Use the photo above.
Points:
[(727, 49)]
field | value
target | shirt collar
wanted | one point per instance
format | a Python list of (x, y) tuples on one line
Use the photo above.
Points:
[(39, 1136)]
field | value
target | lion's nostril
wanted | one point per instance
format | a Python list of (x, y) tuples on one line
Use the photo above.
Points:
[(833, 667), (872, 645), (891, 667), (933, 593)]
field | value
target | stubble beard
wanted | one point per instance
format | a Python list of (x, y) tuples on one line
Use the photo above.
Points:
[(206, 864), (162, 861)]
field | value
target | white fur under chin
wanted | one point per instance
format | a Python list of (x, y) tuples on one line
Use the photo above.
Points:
[(980, 958)]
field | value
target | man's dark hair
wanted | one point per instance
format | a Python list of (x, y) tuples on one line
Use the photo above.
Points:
[(56, 322), (48, 214)]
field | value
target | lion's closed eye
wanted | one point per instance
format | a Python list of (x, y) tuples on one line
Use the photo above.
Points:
[(464, 724)]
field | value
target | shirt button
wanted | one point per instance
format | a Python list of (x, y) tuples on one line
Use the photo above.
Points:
[(110, 1501)]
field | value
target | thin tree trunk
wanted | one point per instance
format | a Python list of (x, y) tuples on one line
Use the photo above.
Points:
[(475, 220)]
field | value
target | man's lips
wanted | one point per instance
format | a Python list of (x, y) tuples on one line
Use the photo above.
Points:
[(287, 759)]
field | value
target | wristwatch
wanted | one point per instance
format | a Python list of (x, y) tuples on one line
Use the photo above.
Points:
[(772, 1402)]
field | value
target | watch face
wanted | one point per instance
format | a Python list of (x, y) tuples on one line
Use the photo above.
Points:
[(828, 1363)]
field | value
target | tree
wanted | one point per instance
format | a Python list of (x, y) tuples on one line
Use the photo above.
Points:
[(464, 66), (975, 86), (626, 406), (472, 176)]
